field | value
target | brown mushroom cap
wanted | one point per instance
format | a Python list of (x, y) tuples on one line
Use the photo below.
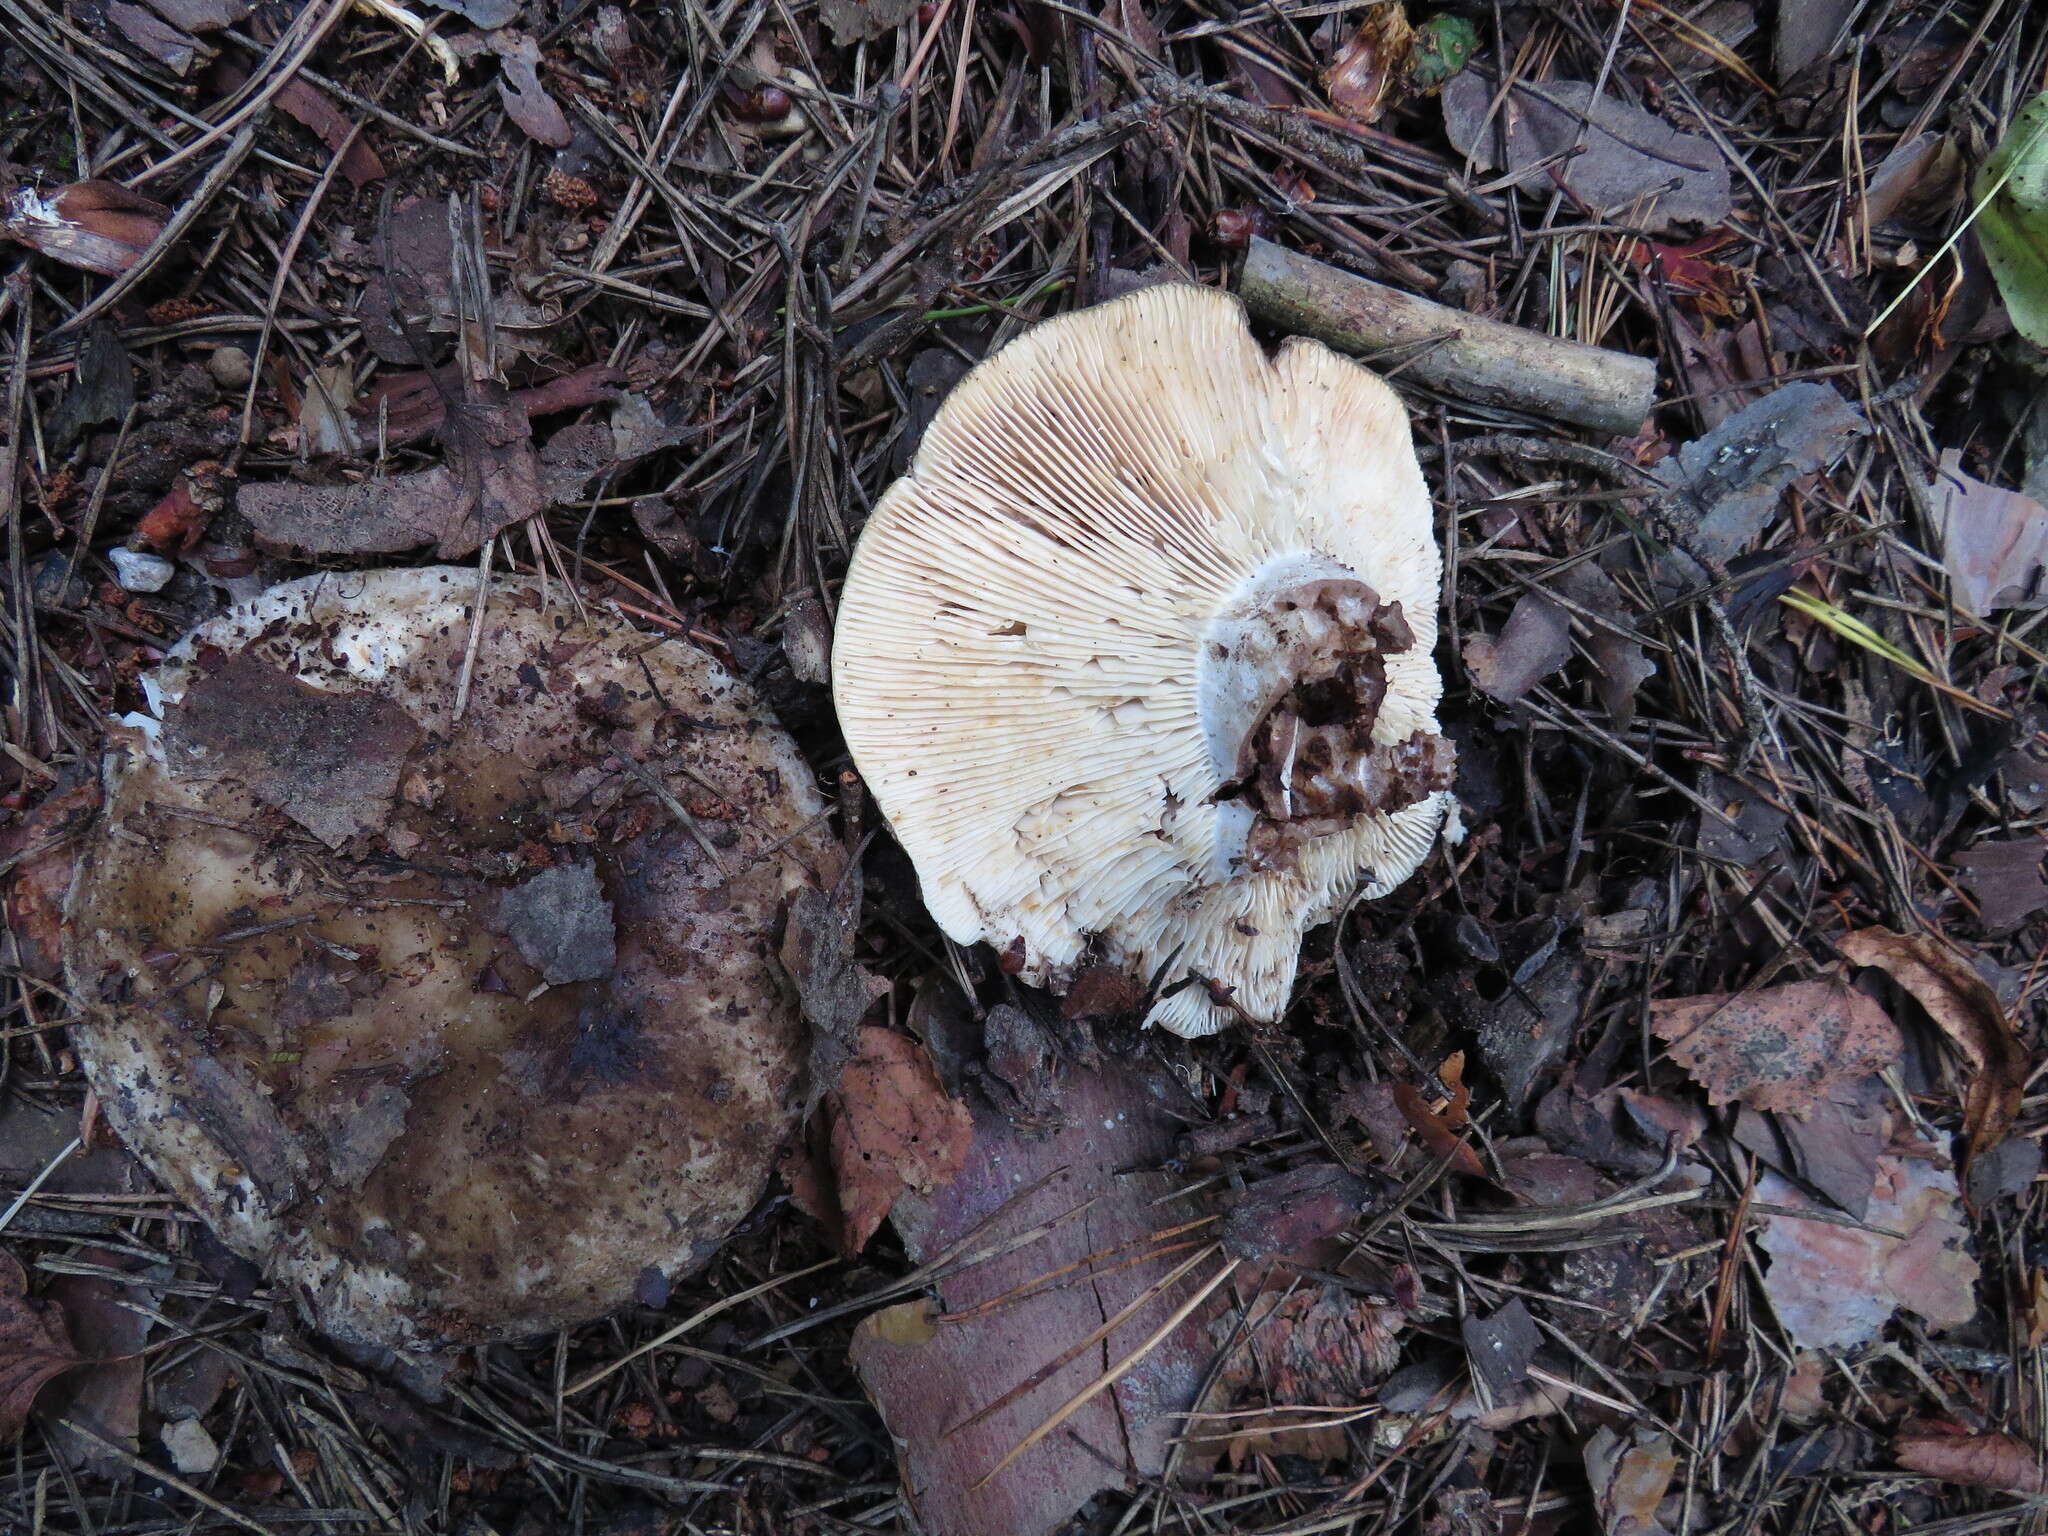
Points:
[(456, 1025)]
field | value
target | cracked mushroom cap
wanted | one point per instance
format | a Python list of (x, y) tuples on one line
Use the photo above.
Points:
[(456, 1026), (1137, 657)]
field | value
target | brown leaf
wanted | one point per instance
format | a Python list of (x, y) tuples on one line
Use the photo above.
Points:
[(105, 1393), (1437, 1122), (1780, 1048), (176, 523), (330, 761), (99, 226), (834, 991), (1629, 1480), (33, 1346), (1994, 542), (1969, 1013), (2006, 880), (859, 21), (1620, 664), (1634, 167), (527, 101), (170, 46), (997, 1328), (891, 1127), (201, 15), (1292, 1211), (313, 108), (1835, 1286), (1535, 642), (1990, 1460)]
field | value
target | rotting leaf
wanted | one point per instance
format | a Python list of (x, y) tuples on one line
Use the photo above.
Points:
[(1780, 1048), (34, 1346), (102, 385), (1832, 1146), (1635, 167), (172, 47), (201, 15), (2006, 880), (1292, 1211), (1629, 1480), (314, 109), (39, 851), (99, 226), (1835, 1286), (890, 1126), (105, 1393), (561, 923), (1371, 64), (330, 761), (1535, 642), (1962, 1003), (1437, 1123), (1994, 542), (1620, 664), (527, 101), (1986, 1459)]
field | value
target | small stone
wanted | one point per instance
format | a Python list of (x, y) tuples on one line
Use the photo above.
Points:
[(230, 367), (192, 1449), (140, 572)]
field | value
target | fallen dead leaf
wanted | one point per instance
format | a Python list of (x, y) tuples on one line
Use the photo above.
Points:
[(1989, 1460), (1635, 167), (2005, 879), (835, 992), (1620, 664), (527, 101), (1962, 1003), (34, 1346), (330, 761), (889, 1126), (39, 850), (863, 21), (1371, 64), (1629, 1480), (104, 1395), (1437, 1122), (315, 109), (171, 47), (997, 1328), (1780, 1048), (1535, 642), (1994, 542), (1498, 1350), (561, 923), (1835, 1286)]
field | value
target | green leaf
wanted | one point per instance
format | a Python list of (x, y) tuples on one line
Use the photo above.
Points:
[(1442, 47), (2012, 220)]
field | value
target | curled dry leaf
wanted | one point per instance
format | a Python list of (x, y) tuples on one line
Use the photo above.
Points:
[(1835, 1286), (1780, 1048), (33, 1346), (1969, 1013), (1437, 1122), (1989, 1460), (527, 101), (99, 226)]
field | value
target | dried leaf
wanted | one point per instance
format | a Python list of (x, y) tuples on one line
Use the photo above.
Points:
[(1635, 168), (890, 1127), (313, 108), (1292, 1211), (527, 101), (1437, 1123), (33, 1346), (907, 1325), (1629, 1480), (561, 923), (1535, 642), (105, 1393), (330, 761), (998, 1328), (102, 385), (39, 849), (202, 15), (2006, 880), (1989, 1460), (487, 14), (99, 226), (1834, 1286), (1994, 543), (1620, 664), (177, 522), (325, 428), (1969, 1013), (1780, 1048)]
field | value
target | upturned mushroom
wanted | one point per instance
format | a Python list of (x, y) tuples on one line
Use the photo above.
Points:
[(1136, 658), (462, 1025)]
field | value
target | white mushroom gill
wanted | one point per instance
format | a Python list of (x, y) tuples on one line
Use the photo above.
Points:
[(1137, 658)]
